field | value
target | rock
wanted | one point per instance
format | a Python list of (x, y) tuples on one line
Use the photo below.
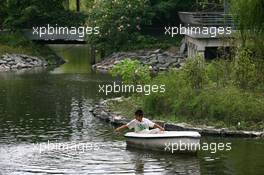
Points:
[(162, 68), (152, 61), (157, 51), (166, 65), (99, 111), (12, 63), (21, 66), (157, 58), (116, 61), (4, 68), (3, 62), (20, 61), (7, 59), (166, 53), (14, 67), (182, 64), (161, 59), (173, 60), (28, 60), (177, 65), (155, 68)]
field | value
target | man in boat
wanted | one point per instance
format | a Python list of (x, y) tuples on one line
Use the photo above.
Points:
[(141, 124)]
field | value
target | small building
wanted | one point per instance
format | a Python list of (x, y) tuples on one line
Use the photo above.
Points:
[(206, 43)]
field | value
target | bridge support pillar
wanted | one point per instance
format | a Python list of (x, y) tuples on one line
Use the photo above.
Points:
[(93, 55)]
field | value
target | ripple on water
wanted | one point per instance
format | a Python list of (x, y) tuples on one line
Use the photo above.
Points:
[(111, 158)]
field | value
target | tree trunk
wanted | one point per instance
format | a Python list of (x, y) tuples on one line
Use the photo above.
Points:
[(78, 5)]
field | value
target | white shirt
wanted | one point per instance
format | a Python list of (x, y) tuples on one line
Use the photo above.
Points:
[(139, 126)]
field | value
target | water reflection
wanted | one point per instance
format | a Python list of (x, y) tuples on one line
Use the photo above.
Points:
[(77, 58), (154, 162)]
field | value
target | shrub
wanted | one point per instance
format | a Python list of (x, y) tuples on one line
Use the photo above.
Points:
[(163, 103), (244, 70), (200, 102), (195, 72), (132, 72), (219, 72)]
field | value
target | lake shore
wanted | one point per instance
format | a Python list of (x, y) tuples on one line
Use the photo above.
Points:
[(157, 60), (15, 62), (102, 111), (19, 53)]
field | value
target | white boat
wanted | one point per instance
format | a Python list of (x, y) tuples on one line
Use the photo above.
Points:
[(171, 141)]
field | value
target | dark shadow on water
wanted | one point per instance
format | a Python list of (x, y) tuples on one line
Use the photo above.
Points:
[(172, 163)]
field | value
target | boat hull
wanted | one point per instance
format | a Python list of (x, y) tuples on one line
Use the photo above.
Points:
[(169, 141)]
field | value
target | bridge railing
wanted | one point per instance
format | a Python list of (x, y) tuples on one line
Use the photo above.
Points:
[(206, 19)]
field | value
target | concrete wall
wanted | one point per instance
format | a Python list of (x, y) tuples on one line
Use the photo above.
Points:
[(198, 45)]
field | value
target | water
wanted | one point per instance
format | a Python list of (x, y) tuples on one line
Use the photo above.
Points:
[(44, 107)]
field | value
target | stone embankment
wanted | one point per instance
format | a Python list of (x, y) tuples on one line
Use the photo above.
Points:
[(158, 60), (102, 111), (14, 62)]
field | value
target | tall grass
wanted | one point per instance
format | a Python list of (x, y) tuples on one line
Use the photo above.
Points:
[(222, 91)]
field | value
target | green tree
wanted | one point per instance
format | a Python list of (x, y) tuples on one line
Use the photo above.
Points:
[(3, 14), (119, 21), (249, 18), (28, 13), (165, 11)]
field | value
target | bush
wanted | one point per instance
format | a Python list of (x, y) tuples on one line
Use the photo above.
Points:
[(219, 72), (189, 97), (244, 70), (15, 39), (132, 72), (163, 103), (195, 72)]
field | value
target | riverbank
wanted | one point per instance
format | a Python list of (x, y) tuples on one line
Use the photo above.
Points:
[(14, 62), (157, 60), (17, 52), (105, 112)]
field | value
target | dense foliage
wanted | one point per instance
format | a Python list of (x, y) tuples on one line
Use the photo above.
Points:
[(27, 13), (222, 93), (222, 90), (119, 21), (165, 11), (125, 24), (249, 19), (17, 43)]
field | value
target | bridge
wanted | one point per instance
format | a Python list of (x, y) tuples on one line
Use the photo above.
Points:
[(51, 39)]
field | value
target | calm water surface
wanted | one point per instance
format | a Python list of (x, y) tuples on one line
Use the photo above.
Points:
[(38, 108)]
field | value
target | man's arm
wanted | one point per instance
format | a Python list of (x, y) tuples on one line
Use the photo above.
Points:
[(158, 126), (121, 128)]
